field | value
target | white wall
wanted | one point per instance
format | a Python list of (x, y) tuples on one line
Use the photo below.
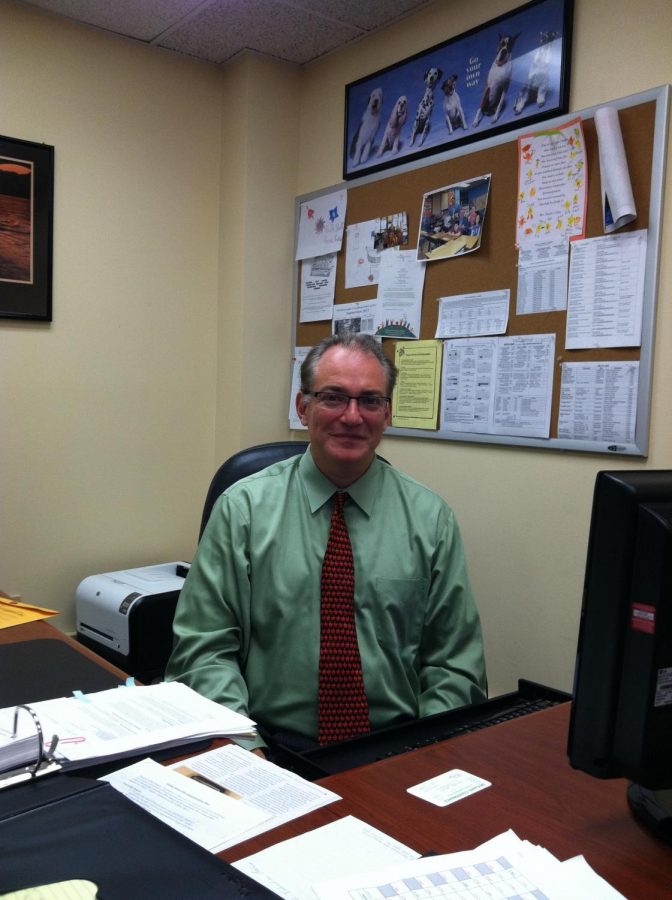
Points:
[(524, 514)]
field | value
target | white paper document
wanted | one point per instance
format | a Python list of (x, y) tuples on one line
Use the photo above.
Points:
[(356, 318), (498, 385), (278, 794), (542, 277), (466, 315), (504, 867), (524, 385), (300, 353), (606, 291), (468, 385), (208, 817), (321, 224), (362, 258), (222, 797), (449, 787), (339, 848), (128, 720), (402, 279), (318, 283), (598, 401)]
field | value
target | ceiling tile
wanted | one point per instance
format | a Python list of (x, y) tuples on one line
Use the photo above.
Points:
[(267, 26)]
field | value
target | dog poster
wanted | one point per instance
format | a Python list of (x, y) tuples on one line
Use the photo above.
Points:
[(509, 72), (452, 219)]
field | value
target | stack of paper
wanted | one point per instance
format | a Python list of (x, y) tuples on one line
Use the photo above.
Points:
[(121, 722), (505, 867), (18, 752)]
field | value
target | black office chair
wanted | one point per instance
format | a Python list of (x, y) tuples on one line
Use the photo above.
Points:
[(244, 463)]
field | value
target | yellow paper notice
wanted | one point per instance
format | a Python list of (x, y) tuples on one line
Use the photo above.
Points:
[(415, 403)]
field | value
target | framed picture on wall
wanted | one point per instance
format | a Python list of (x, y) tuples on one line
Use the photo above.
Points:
[(511, 71), (26, 229)]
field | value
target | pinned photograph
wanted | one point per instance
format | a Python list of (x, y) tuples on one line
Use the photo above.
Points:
[(452, 219)]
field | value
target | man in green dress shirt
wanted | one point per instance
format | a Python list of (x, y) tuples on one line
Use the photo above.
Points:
[(247, 624)]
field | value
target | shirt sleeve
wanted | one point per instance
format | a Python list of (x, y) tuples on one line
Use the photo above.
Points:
[(212, 618), (452, 665)]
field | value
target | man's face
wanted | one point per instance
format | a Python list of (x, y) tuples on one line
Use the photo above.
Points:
[(343, 443)]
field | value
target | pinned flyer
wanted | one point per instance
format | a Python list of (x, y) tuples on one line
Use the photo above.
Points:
[(618, 203), (449, 787)]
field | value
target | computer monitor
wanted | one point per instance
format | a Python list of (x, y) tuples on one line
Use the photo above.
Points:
[(621, 717)]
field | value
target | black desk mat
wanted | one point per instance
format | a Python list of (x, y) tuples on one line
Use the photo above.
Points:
[(46, 669)]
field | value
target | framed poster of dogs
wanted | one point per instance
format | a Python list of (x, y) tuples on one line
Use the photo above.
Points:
[(513, 70)]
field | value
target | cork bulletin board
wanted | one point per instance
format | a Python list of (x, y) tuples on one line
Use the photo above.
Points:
[(643, 119)]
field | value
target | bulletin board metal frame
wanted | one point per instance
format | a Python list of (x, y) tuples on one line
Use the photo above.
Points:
[(644, 120)]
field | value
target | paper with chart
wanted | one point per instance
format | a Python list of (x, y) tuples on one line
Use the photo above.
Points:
[(606, 291), (598, 401), (464, 315), (498, 385), (342, 847), (504, 867), (542, 277)]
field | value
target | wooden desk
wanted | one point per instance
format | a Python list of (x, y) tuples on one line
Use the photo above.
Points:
[(534, 791)]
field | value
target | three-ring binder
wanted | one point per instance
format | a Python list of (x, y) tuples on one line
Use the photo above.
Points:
[(43, 762)]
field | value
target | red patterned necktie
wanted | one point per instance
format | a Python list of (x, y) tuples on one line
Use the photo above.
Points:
[(343, 707)]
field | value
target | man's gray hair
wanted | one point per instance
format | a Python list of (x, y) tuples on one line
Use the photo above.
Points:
[(361, 343)]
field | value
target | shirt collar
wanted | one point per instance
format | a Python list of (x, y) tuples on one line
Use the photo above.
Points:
[(319, 489)]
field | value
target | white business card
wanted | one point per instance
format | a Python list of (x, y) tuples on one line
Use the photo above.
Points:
[(448, 787)]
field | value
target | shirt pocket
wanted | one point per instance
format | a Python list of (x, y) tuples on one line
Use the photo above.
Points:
[(398, 613)]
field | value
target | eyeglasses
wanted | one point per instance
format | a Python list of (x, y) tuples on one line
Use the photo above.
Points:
[(335, 402)]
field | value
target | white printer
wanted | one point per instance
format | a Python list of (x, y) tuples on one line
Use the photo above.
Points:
[(127, 616)]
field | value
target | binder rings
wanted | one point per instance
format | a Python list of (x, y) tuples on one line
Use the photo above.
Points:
[(57, 829)]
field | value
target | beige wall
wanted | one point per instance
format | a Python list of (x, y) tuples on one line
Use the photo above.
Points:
[(524, 514), (108, 413), (171, 341), (171, 337)]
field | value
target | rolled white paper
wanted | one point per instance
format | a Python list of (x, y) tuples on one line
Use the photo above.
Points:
[(618, 203)]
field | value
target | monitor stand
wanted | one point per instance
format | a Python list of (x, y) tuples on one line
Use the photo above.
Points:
[(653, 809)]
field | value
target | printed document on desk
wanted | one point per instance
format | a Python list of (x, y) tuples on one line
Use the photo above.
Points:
[(345, 846), (221, 797), (124, 721), (505, 867)]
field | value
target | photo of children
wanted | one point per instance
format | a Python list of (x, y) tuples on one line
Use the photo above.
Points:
[(452, 219)]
